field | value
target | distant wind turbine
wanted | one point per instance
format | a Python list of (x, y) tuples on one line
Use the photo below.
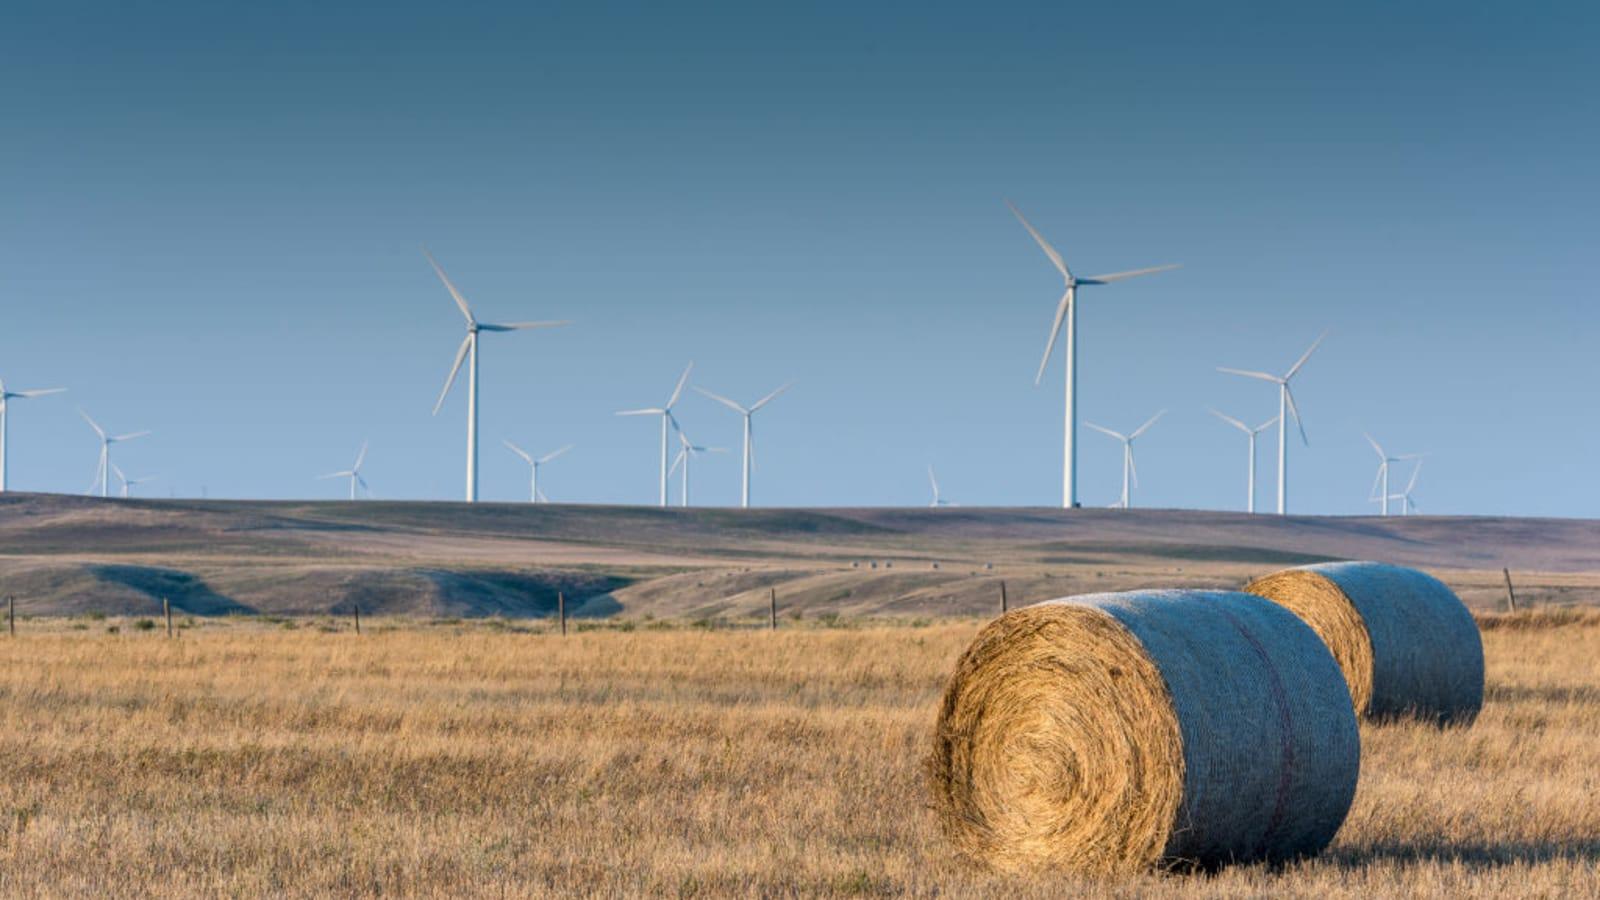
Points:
[(534, 494), (1380, 484), (665, 412), (1250, 479), (1129, 470), (5, 402), (353, 473), (102, 473), (1407, 504), (687, 451), (129, 482), (1067, 310), (1286, 408), (749, 438), (469, 345), (938, 498)]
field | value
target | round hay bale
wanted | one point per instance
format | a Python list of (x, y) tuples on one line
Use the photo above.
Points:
[(1406, 643), (1116, 732)]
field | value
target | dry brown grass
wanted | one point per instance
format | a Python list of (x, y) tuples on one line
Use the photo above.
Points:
[(421, 760)]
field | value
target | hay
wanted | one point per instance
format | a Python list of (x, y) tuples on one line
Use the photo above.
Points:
[(1116, 732), (1406, 644)]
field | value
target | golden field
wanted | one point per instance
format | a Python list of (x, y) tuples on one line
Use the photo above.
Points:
[(448, 759)]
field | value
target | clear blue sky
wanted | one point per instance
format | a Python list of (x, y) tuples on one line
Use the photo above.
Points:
[(212, 215)]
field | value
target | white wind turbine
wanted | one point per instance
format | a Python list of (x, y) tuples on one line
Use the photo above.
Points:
[(687, 451), (1250, 479), (665, 412), (5, 402), (1067, 310), (469, 345), (534, 494), (1286, 408), (938, 498), (1380, 484), (749, 438), (1129, 470), (102, 473), (353, 473), (1408, 505), (129, 482)]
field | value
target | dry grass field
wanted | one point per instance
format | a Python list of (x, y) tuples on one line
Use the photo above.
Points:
[(429, 759)]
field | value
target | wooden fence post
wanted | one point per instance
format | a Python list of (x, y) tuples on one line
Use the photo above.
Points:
[(166, 610), (1004, 603), (11, 614), (1511, 595), (358, 617), (772, 607), (561, 608)]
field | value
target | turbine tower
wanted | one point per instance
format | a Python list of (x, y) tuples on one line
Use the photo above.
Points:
[(1250, 479), (129, 482), (1286, 408), (102, 470), (1380, 484), (665, 412), (1067, 310), (1129, 470), (938, 498), (749, 437), (688, 450), (5, 401), (469, 345), (353, 473), (534, 494)]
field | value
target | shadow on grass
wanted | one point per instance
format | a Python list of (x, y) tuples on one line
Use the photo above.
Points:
[(187, 592), (1475, 854)]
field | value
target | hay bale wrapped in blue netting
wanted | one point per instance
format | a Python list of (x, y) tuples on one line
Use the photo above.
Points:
[(1406, 643), (1117, 732)]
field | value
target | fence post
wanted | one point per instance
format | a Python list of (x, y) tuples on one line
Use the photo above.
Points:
[(561, 608), (11, 614), (1004, 604), (358, 617), (166, 610), (1511, 595), (772, 607)]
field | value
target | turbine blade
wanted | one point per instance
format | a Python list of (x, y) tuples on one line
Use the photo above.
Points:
[(39, 393), (1231, 421), (1104, 430), (519, 451), (1307, 355), (1372, 494), (770, 397), (128, 437), (1411, 485), (542, 497), (933, 481), (1376, 449), (1055, 330), (460, 300), (1267, 424), (521, 326), (1295, 411), (641, 412), (549, 456), (1143, 428), (1131, 273), (360, 458), (1133, 467), (118, 471), (678, 460), (1261, 375), (450, 379), (97, 429), (1044, 245), (682, 380), (723, 400), (335, 475)]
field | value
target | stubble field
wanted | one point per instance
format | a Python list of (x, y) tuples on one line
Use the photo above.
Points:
[(425, 759)]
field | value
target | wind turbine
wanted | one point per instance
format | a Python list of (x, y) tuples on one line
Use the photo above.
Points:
[(749, 438), (1250, 482), (938, 498), (1286, 408), (1067, 309), (5, 398), (353, 473), (1408, 505), (1129, 470), (688, 450), (1380, 484), (129, 482), (101, 472), (469, 344), (665, 412), (534, 494)]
